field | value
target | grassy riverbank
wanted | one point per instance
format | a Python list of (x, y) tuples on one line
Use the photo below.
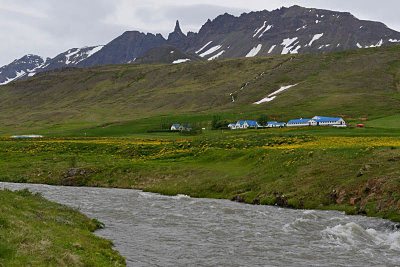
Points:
[(37, 232), (341, 169)]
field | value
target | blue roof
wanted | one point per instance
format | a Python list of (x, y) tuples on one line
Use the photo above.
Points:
[(176, 125), (299, 121), (241, 122), (326, 119), (252, 123), (272, 122)]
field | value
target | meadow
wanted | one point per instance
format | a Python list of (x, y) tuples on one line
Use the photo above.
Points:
[(344, 169)]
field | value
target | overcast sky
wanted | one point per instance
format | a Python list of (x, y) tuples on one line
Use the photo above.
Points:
[(49, 27)]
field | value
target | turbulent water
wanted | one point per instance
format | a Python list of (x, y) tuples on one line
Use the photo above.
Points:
[(153, 230)]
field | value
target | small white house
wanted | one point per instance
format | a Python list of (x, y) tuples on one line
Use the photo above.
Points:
[(185, 127), (175, 127), (247, 124)]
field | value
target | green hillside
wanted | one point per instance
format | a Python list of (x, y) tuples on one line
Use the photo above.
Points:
[(351, 83)]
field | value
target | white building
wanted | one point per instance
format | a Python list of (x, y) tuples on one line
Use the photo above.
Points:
[(328, 121), (175, 127), (301, 123)]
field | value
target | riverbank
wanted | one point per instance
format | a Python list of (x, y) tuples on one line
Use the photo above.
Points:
[(355, 174), (37, 232)]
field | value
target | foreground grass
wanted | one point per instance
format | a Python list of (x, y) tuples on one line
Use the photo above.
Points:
[(359, 174), (37, 232)]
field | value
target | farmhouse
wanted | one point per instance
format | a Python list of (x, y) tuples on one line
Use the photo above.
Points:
[(185, 127), (327, 121), (246, 124), (175, 127), (318, 121)]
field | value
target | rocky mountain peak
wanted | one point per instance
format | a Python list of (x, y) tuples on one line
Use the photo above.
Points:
[(177, 38)]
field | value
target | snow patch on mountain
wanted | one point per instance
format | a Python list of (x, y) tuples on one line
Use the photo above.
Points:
[(305, 26), (379, 44), (394, 41), (359, 46), (272, 96), (288, 45), (323, 46), (94, 51), (258, 30), (271, 49), (70, 54), (295, 50), (201, 49), (77, 55), (19, 74), (211, 50), (269, 27), (183, 60), (283, 88), (253, 52), (315, 38), (266, 99), (217, 55)]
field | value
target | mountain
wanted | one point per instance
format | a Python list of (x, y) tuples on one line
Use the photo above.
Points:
[(19, 68), (71, 58), (287, 31), (167, 54), (30, 65), (283, 31), (125, 49)]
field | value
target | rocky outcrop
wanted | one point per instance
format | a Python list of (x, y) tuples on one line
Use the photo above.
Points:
[(177, 38)]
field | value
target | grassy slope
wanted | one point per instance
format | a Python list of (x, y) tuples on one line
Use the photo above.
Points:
[(37, 232), (350, 83)]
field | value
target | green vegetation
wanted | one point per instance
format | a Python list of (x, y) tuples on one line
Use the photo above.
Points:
[(37, 232), (308, 170), (107, 126), (355, 84)]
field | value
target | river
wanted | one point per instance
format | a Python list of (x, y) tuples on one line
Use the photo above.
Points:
[(153, 230)]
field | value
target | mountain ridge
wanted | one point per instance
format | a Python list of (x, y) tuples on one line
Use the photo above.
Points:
[(258, 33)]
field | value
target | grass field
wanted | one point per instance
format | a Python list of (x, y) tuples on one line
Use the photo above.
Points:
[(37, 232), (355, 84), (358, 174), (390, 122)]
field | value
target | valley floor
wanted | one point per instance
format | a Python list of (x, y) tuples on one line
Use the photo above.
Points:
[(291, 168)]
